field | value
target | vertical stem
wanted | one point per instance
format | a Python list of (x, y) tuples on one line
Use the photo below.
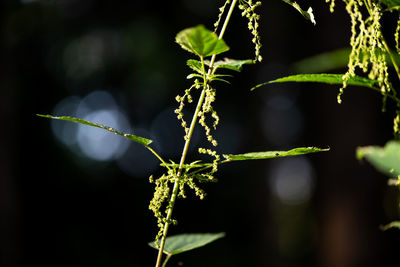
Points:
[(188, 138), (396, 67)]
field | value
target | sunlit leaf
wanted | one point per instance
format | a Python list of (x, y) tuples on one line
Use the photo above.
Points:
[(274, 154), (232, 64), (195, 65), (180, 243), (194, 75), (324, 78), (386, 159), (395, 224), (138, 139), (306, 14), (201, 41)]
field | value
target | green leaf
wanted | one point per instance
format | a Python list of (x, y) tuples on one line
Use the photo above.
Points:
[(185, 242), (195, 65), (324, 78), (385, 159), (232, 64), (201, 41), (138, 139), (336, 59), (194, 75), (220, 80), (327, 61), (395, 224), (274, 154), (391, 4), (306, 14)]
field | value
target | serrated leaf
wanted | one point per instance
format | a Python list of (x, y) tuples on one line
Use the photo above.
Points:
[(395, 224), (185, 242), (137, 139), (386, 159), (195, 65), (232, 64), (324, 78), (274, 154), (306, 14), (201, 41)]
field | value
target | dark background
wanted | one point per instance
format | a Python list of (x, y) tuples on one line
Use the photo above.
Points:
[(60, 208)]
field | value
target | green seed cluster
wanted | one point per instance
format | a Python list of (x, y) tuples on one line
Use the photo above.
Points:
[(214, 154), (369, 49), (221, 12), (208, 109), (248, 11), (367, 46), (181, 100), (332, 5), (397, 35), (161, 194), (396, 125), (160, 202)]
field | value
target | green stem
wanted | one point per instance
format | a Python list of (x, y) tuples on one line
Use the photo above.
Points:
[(392, 58), (188, 138), (166, 260), (158, 156)]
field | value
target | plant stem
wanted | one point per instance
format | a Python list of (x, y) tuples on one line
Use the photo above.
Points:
[(396, 67), (188, 138), (166, 260), (158, 156)]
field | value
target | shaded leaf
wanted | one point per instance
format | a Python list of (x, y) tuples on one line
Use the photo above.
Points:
[(327, 61), (201, 41), (221, 80), (391, 4), (180, 243), (138, 139), (274, 154), (386, 159), (306, 14), (324, 78), (336, 59)]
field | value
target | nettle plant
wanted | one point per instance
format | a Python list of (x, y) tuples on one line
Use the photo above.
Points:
[(205, 45), (370, 64)]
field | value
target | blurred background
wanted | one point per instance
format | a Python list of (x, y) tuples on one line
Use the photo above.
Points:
[(75, 196)]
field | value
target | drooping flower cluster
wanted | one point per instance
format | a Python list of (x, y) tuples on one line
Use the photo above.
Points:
[(248, 11), (367, 46), (369, 50)]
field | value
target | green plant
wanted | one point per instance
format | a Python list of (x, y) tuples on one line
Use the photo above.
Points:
[(171, 185), (370, 54)]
